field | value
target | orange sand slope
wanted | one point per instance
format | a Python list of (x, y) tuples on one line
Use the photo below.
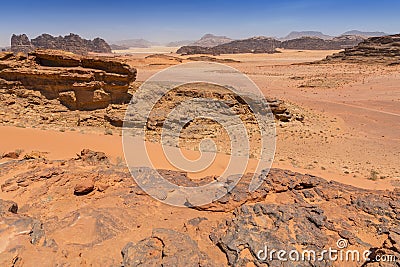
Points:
[(61, 145)]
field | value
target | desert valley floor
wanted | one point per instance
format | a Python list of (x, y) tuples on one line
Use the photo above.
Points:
[(348, 135)]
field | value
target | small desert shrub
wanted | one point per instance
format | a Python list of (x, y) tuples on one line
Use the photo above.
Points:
[(373, 175), (108, 132)]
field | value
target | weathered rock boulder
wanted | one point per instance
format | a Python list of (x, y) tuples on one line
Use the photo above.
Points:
[(84, 186), (79, 82), (71, 43)]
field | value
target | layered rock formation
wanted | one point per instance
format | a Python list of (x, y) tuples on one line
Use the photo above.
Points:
[(384, 50), (71, 43), (78, 82), (117, 224)]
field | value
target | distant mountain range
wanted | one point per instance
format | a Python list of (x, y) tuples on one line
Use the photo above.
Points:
[(295, 35), (210, 40), (263, 44), (138, 43), (180, 43), (366, 34)]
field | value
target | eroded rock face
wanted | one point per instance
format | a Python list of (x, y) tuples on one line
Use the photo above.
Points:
[(71, 43), (306, 213), (79, 82), (385, 49)]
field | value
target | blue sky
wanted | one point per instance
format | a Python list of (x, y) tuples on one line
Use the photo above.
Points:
[(182, 20)]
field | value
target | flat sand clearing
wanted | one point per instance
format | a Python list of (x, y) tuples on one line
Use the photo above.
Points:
[(64, 145)]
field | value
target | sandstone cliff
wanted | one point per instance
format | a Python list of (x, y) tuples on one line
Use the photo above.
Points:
[(83, 83)]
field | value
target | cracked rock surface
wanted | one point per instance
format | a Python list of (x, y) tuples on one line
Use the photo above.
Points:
[(116, 224)]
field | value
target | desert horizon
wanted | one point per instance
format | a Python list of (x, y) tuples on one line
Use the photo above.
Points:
[(182, 134)]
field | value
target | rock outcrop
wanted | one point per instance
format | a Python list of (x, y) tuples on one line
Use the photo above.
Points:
[(385, 49), (314, 43), (251, 45), (196, 130), (300, 217), (78, 82), (46, 224), (71, 43), (269, 45)]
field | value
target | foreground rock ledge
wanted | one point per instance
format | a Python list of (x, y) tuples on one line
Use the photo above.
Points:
[(52, 226)]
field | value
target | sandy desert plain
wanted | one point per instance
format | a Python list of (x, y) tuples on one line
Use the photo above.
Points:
[(348, 134)]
